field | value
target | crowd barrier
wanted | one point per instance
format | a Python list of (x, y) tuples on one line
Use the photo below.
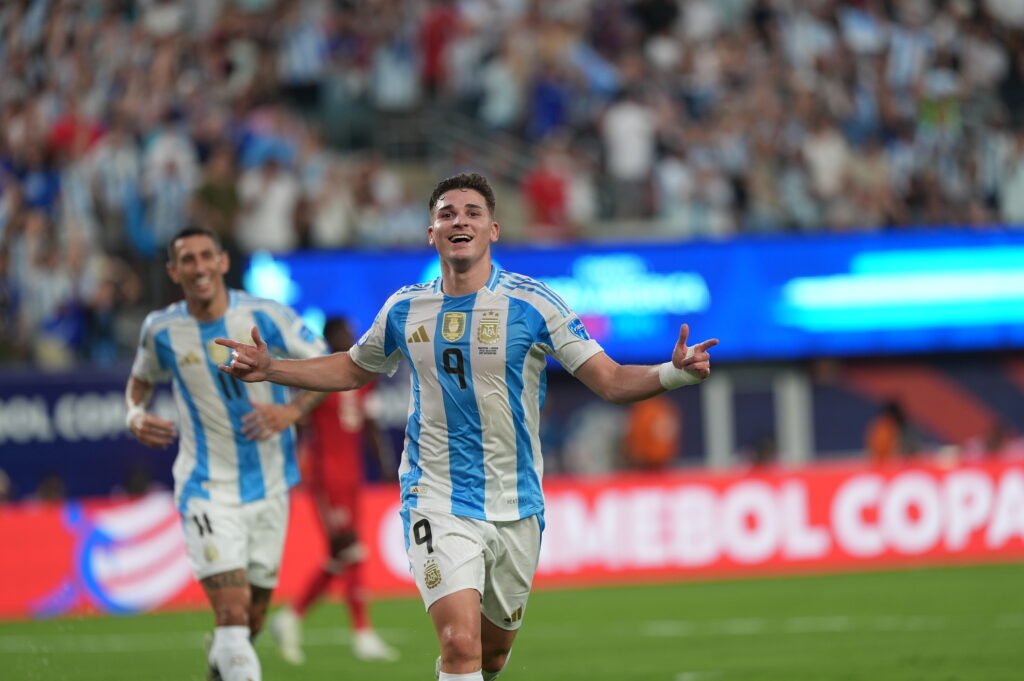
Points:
[(126, 556)]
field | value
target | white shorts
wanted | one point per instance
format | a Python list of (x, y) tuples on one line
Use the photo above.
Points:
[(220, 538), (450, 553)]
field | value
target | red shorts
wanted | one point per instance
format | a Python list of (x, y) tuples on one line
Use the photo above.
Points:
[(337, 507)]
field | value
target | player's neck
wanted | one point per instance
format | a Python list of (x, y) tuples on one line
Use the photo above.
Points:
[(208, 311), (458, 283)]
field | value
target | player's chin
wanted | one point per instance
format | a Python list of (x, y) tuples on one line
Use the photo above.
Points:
[(202, 295), (462, 251)]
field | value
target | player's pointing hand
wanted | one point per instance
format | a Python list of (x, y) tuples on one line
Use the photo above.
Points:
[(693, 359), (247, 362)]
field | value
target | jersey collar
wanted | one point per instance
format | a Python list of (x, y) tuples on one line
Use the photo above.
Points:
[(492, 281)]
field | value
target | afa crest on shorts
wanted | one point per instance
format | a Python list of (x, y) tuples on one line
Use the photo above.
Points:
[(453, 326), (431, 573)]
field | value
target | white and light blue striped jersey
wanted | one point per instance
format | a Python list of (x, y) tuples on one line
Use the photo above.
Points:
[(472, 446), (215, 460)]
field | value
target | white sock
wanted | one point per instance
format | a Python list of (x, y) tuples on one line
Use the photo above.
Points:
[(233, 655), (472, 676)]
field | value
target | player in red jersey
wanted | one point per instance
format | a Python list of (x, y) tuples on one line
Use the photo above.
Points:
[(334, 475)]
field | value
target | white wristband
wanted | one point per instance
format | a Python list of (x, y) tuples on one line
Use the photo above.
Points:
[(133, 411), (672, 377)]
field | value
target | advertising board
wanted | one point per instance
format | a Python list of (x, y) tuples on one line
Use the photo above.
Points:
[(124, 556)]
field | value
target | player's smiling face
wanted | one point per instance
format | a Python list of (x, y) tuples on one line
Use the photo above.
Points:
[(199, 267), (462, 228)]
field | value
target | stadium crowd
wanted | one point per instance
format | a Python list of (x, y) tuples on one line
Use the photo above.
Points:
[(120, 121)]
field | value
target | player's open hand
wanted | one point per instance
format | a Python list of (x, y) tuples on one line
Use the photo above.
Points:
[(248, 362), (152, 431), (693, 359), (267, 420)]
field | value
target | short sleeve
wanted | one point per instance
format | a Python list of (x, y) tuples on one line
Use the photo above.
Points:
[(146, 366), (376, 350), (299, 341), (571, 344)]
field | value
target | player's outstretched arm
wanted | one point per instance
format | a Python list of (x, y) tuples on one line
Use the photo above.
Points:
[(329, 373), (630, 383)]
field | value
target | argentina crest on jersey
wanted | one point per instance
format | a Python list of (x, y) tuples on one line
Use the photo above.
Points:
[(488, 331)]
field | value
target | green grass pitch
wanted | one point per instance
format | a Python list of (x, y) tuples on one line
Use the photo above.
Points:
[(941, 624)]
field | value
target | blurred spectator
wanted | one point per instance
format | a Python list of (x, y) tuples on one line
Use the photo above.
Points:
[(549, 95), (653, 432), (629, 132), (403, 219), (761, 455), (501, 87), (302, 55), (270, 196), (385, 213), (766, 452), (48, 320), (1011, 90), (170, 154), (440, 18), (116, 166), (765, 208), (116, 287), (40, 179), (888, 438), (546, 188), (593, 439), (6, 490), (1000, 443), (826, 153), (119, 124), (1011, 189), (166, 197), (49, 490), (332, 218), (395, 81), (138, 482), (216, 205)]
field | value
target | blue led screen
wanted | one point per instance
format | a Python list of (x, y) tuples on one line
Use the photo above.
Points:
[(764, 298)]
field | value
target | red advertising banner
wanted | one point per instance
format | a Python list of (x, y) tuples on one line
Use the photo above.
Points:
[(128, 556)]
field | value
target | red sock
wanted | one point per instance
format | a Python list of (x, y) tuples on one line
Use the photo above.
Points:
[(314, 589), (355, 597)]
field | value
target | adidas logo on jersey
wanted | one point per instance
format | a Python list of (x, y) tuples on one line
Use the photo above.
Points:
[(419, 337), (190, 359)]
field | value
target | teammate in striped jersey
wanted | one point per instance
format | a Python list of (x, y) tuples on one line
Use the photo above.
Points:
[(236, 451), (477, 339)]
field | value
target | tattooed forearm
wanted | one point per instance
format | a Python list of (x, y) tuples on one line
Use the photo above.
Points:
[(224, 580)]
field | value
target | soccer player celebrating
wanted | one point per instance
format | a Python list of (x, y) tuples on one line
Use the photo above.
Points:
[(476, 339), (236, 451), (334, 475)]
